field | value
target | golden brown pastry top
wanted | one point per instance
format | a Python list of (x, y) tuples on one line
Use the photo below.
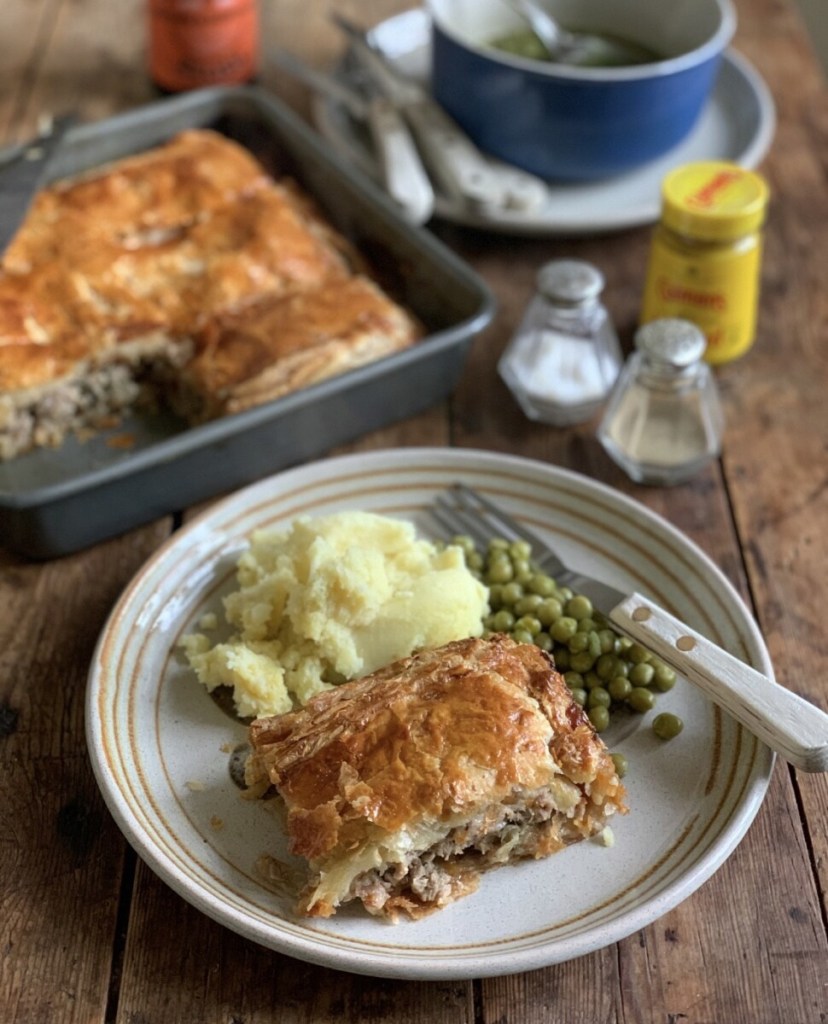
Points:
[(164, 241), (428, 738), (164, 188), (289, 341)]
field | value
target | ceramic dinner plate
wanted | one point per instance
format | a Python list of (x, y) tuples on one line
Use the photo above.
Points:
[(737, 124), (162, 747)]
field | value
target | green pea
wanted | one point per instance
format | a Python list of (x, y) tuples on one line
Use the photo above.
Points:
[(578, 642), (574, 680), (579, 607), (599, 716), (605, 666), (528, 603), (499, 545), (542, 585), (579, 696), (549, 610), (607, 638), (499, 571), (520, 550), (664, 678), (637, 653), (598, 695), (641, 674), (591, 679), (502, 621), (475, 562), (529, 623), (523, 636), (544, 641), (640, 699), (511, 593), (582, 661), (621, 764), (667, 725), (619, 688), (564, 629)]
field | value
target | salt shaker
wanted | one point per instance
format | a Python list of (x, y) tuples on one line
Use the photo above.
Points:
[(564, 357), (664, 421)]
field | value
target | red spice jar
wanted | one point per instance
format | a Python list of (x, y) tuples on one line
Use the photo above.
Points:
[(198, 43)]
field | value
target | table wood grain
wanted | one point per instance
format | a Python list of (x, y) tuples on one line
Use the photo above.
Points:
[(89, 935)]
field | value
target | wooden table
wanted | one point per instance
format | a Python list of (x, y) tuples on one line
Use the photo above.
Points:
[(89, 934)]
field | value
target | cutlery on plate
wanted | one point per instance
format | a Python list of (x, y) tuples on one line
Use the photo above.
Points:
[(401, 169), (23, 173), (796, 729), (456, 164)]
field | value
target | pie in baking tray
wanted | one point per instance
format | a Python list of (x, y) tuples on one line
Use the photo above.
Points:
[(185, 274), (401, 788)]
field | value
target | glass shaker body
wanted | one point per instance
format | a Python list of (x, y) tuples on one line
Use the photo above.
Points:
[(664, 420), (564, 357)]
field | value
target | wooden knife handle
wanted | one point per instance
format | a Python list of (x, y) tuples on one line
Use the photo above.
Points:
[(796, 729)]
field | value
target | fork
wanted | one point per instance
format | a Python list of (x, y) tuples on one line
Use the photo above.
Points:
[(793, 727)]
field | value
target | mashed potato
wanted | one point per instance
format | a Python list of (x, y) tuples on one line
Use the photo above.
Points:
[(331, 599)]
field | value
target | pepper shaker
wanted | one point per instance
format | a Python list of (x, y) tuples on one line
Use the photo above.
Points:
[(664, 420), (564, 357)]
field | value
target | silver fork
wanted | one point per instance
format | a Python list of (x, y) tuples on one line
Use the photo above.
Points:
[(796, 729)]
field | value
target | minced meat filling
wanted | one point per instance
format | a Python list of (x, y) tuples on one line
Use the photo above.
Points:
[(495, 836)]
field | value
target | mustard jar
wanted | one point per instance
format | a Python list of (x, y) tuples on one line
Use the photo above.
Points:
[(705, 255), (565, 356), (664, 421)]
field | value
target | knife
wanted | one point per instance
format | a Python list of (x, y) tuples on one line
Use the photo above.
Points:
[(456, 164), (24, 173), (401, 169)]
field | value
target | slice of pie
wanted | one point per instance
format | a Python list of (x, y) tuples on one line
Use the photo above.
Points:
[(401, 788)]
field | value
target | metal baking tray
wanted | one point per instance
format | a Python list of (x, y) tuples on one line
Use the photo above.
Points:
[(53, 502)]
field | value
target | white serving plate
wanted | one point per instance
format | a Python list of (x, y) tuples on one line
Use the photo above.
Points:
[(160, 745), (737, 124)]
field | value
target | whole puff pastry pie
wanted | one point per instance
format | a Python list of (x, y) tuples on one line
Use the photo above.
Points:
[(402, 787)]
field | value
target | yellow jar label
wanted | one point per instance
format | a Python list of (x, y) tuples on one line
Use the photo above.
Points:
[(718, 292)]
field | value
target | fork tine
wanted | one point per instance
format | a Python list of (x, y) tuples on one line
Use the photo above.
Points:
[(457, 521), (502, 523), (462, 510)]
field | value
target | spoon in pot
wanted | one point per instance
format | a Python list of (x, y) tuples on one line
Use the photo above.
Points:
[(580, 48)]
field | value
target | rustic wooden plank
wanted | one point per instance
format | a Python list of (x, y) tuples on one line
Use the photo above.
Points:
[(60, 856), (776, 461), (183, 966)]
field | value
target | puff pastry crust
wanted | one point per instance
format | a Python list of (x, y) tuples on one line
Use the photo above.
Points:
[(119, 279), (402, 787)]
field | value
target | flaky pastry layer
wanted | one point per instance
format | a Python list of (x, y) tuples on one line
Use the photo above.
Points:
[(402, 787)]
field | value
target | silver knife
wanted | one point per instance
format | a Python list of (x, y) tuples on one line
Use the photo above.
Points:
[(24, 173), (401, 168), (457, 165)]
